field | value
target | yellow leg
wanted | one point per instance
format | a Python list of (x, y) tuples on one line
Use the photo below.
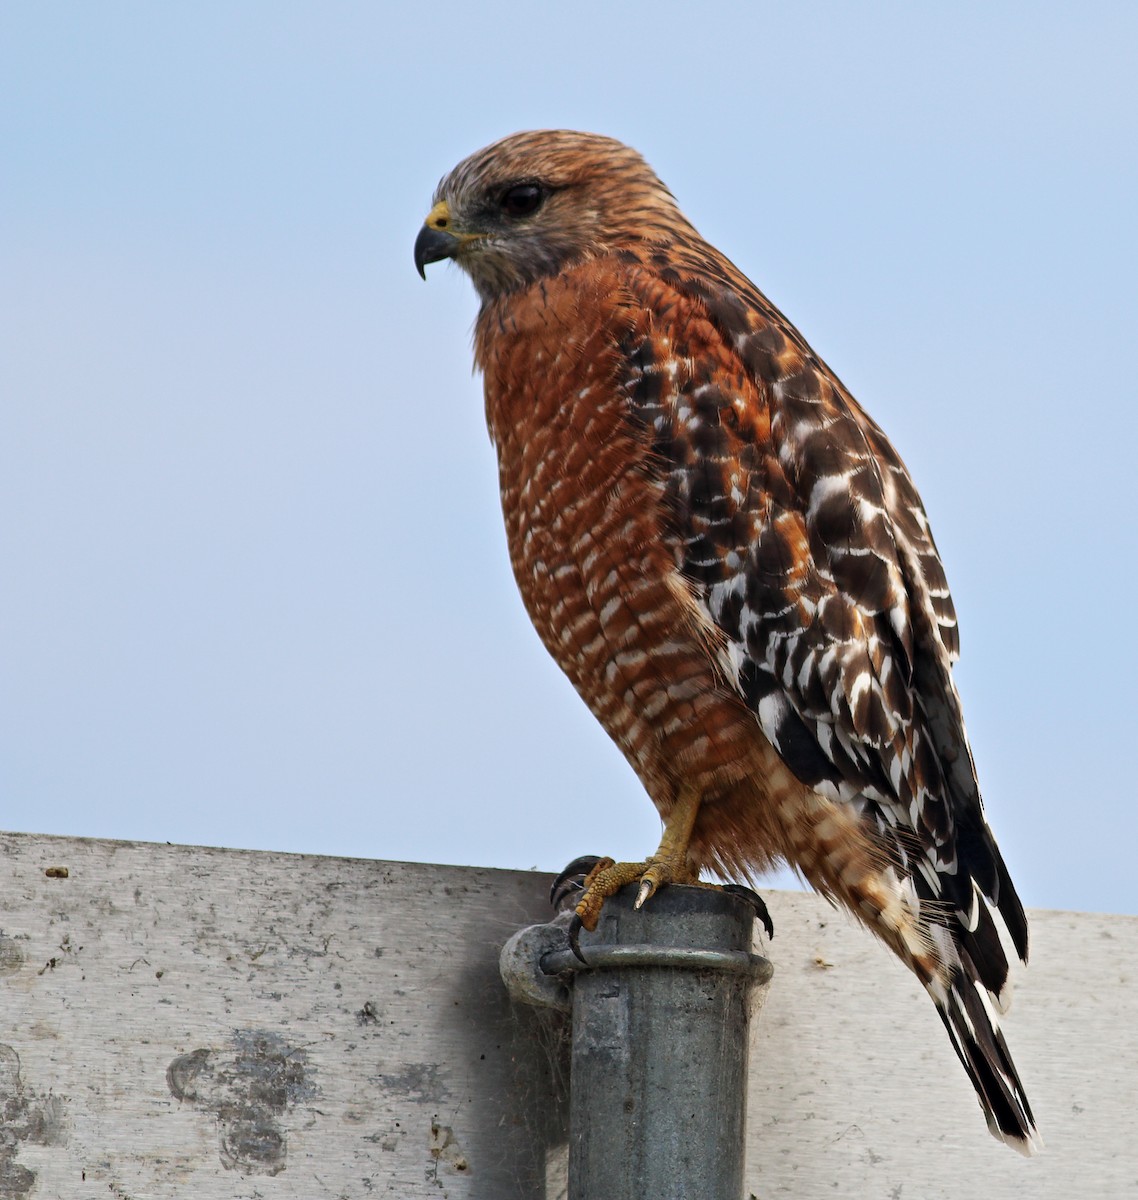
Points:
[(668, 865)]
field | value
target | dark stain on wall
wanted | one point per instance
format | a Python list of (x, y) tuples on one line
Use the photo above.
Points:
[(24, 1117), (248, 1086)]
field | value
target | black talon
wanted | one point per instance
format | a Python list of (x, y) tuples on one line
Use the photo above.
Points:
[(756, 901), (572, 879), (575, 927)]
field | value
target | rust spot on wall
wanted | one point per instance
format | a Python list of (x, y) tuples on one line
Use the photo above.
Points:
[(445, 1151)]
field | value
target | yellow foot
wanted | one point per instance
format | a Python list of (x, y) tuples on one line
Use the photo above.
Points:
[(670, 864), (608, 877), (599, 878)]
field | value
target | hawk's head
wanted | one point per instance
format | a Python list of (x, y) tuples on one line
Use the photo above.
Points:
[(530, 204)]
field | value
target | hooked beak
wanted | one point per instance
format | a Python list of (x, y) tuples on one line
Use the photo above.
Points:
[(435, 241)]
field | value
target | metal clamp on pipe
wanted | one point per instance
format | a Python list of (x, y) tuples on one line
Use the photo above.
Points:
[(740, 962)]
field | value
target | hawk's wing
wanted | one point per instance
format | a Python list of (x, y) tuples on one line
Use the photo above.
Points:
[(804, 539)]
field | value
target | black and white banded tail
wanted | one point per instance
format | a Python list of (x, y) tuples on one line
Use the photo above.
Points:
[(973, 1028)]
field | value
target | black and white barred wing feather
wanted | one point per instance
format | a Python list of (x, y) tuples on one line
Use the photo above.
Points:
[(807, 546)]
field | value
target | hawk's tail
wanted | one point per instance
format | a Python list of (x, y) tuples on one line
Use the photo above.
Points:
[(973, 1028)]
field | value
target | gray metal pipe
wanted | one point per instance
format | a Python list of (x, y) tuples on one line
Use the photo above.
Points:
[(661, 1019)]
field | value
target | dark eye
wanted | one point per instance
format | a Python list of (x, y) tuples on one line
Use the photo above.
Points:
[(522, 199)]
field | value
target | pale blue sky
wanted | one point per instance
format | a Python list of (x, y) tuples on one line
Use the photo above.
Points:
[(255, 589)]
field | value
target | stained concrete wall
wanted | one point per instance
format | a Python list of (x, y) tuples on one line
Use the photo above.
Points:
[(178, 1021)]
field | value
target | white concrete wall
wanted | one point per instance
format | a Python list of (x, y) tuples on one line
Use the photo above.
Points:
[(178, 1021)]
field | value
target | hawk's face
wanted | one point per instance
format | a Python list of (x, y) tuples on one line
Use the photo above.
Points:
[(528, 205)]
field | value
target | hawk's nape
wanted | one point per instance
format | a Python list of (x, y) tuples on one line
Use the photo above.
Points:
[(729, 560)]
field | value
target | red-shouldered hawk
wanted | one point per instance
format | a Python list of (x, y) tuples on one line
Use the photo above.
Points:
[(730, 562)]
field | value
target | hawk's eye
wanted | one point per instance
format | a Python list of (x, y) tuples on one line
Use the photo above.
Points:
[(522, 199)]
